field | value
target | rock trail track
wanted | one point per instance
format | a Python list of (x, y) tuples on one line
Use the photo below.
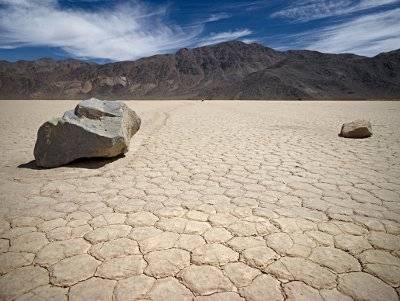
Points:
[(215, 201)]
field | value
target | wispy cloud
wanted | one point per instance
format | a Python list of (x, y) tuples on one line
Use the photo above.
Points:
[(217, 17), (123, 32), (365, 4), (306, 10), (365, 35), (249, 41), (224, 36)]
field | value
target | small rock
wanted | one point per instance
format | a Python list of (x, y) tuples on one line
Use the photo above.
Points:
[(357, 129)]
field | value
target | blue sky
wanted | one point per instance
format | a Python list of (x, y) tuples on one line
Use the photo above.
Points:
[(115, 30)]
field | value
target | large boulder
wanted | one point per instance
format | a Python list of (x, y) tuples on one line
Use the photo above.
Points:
[(357, 129), (96, 128)]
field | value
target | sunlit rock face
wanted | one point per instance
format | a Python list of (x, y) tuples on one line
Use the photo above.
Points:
[(96, 128), (357, 129)]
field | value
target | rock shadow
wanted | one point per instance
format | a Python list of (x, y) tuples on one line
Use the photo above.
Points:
[(85, 163)]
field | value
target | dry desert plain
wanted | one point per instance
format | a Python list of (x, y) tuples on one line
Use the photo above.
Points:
[(220, 200)]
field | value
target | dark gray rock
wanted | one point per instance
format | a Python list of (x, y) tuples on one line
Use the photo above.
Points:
[(357, 129), (96, 128)]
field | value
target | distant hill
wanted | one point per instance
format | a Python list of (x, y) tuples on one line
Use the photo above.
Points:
[(230, 70)]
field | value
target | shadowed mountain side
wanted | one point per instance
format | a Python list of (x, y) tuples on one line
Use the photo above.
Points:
[(230, 70)]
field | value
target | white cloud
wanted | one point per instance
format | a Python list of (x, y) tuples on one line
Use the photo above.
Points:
[(249, 41), (217, 17), (124, 32), (220, 37), (306, 10), (366, 35), (310, 10), (365, 4)]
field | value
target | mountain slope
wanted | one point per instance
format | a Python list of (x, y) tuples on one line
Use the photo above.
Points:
[(230, 70), (313, 75)]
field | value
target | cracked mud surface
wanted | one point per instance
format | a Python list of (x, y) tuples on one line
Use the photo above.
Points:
[(215, 201)]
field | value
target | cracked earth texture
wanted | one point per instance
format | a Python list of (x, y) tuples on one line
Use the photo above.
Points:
[(215, 201)]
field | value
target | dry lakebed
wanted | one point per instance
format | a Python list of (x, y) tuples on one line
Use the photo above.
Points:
[(215, 200)]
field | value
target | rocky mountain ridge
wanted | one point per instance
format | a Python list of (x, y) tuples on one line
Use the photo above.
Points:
[(230, 70)]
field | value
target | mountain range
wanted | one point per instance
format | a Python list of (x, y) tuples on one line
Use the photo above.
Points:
[(230, 70)]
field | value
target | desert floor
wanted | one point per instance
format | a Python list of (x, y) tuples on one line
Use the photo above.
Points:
[(215, 201)]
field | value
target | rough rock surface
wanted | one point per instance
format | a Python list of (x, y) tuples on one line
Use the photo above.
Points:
[(96, 128), (357, 129), (229, 70)]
